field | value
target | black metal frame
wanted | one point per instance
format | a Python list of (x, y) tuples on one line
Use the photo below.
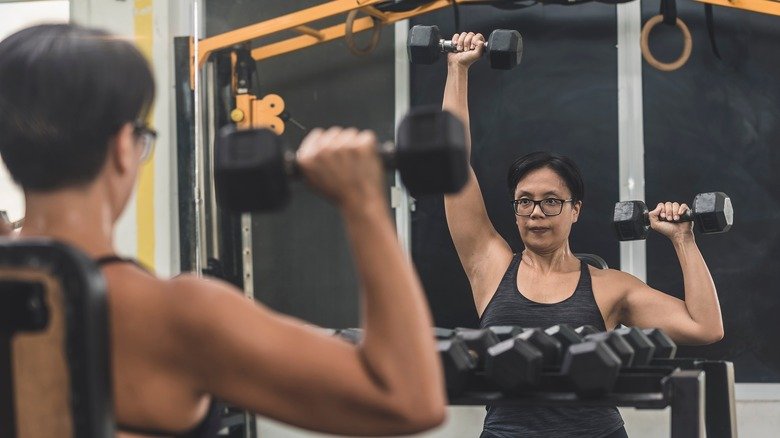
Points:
[(86, 334)]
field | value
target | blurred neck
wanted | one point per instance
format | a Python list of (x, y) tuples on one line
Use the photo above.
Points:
[(81, 216)]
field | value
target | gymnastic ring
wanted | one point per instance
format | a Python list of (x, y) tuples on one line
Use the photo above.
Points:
[(644, 43), (349, 36)]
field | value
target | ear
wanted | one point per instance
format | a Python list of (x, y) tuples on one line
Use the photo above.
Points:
[(575, 211), (122, 151)]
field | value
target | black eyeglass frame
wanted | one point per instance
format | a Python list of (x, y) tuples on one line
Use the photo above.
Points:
[(148, 136), (516, 202)]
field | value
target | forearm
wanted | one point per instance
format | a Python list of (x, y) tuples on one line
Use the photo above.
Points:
[(701, 299), (398, 345), (456, 97)]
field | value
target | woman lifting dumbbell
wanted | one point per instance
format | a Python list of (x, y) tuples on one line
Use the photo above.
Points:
[(177, 344), (534, 288)]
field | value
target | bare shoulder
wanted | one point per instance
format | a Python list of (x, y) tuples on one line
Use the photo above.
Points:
[(191, 298), (614, 279)]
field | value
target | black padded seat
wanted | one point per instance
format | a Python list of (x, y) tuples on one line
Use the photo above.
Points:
[(54, 339)]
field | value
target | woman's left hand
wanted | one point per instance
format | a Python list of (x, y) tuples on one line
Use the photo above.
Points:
[(663, 217)]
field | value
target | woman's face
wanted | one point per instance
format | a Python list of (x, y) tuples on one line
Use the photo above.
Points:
[(540, 232)]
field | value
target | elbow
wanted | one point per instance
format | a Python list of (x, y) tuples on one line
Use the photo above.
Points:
[(716, 335), (711, 335), (423, 418)]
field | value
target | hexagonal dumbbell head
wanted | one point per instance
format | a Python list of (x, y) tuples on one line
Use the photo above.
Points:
[(591, 367), (665, 348), (504, 332), (618, 345), (564, 334), (546, 344), (431, 152), (457, 364), (630, 220), (642, 345), (505, 49), (423, 46), (712, 212), (443, 333), (513, 365), (585, 330), (478, 342), (249, 170)]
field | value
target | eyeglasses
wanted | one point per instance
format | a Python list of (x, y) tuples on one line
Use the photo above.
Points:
[(146, 136), (549, 206)]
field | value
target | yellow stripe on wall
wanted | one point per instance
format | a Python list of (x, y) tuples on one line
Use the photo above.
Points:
[(142, 11)]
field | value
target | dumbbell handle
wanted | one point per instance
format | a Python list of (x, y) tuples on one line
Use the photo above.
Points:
[(448, 46), (385, 150), (685, 217)]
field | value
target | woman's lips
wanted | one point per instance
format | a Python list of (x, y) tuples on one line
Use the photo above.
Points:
[(538, 230)]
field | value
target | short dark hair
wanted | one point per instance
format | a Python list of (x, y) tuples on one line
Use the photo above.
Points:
[(562, 165), (65, 90)]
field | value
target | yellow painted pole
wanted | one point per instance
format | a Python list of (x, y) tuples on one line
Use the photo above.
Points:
[(145, 232)]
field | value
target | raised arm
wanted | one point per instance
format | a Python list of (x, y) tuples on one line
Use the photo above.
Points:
[(697, 320), (482, 251), (274, 365)]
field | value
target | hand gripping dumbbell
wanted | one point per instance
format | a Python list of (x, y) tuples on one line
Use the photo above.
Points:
[(711, 212), (253, 167), (504, 47)]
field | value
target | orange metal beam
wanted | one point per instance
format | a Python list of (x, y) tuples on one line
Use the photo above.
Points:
[(285, 22), (299, 21), (338, 31), (771, 7)]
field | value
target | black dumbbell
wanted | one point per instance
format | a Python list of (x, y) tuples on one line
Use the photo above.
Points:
[(591, 367), (665, 348), (504, 47), (504, 332), (512, 365), (458, 364), (711, 213), (644, 349), (585, 330), (252, 167), (617, 344)]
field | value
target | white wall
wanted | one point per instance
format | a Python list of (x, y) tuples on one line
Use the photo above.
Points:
[(14, 17), (169, 19)]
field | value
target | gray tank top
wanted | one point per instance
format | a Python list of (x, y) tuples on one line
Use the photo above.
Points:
[(509, 307)]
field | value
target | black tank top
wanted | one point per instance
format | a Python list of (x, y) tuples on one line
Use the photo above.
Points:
[(509, 307), (209, 426)]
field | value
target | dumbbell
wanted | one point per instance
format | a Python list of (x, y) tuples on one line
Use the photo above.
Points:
[(504, 47), (253, 167), (665, 348), (511, 364), (711, 213), (591, 367)]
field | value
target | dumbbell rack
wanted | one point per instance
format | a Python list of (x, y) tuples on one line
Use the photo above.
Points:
[(699, 406)]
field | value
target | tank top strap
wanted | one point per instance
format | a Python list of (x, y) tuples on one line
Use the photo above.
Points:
[(510, 275)]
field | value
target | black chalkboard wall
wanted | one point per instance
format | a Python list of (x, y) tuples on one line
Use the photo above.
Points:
[(301, 259), (713, 125)]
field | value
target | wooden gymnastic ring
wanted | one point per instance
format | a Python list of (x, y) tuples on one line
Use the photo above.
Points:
[(644, 43), (350, 38)]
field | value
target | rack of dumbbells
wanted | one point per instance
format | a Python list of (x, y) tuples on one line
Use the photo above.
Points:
[(562, 366)]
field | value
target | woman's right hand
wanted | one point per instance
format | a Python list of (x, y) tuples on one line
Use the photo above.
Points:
[(470, 47), (343, 165)]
